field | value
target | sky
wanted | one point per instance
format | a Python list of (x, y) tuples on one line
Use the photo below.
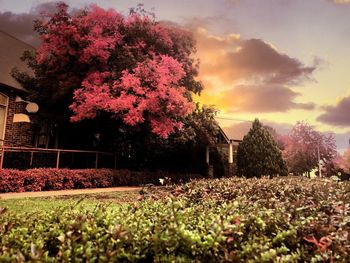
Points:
[(281, 61)]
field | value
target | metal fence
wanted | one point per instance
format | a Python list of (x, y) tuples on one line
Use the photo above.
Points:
[(28, 157)]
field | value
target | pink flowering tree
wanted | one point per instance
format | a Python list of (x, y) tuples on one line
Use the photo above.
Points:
[(97, 62), (342, 162), (301, 148), (346, 161), (150, 91)]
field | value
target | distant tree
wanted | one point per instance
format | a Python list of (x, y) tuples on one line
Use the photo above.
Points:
[(99, 62), (346, 161), (302, 146), (258, 154), (342, 162)]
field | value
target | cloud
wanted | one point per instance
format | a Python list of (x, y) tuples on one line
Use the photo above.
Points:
[(236, 58), (340, 1), (255, 71), (21, 25), (233, 1), (342, 141), (264, 98), (280, 127), (237, 130), (338, 115)]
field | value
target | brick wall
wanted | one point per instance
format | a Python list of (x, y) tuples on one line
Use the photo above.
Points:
[(19, 133)]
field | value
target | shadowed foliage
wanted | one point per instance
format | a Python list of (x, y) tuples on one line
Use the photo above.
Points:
[(258, 154)]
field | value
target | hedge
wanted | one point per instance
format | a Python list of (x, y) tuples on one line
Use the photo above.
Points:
[(226, 220), (45, 179)]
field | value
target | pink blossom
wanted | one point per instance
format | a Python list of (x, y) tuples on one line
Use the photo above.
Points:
[(126, 66)]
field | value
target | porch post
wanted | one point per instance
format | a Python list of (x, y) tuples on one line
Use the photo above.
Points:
[(207, 155), (230, 153), (230, 159)]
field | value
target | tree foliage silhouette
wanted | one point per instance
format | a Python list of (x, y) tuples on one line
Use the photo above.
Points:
[(258, 154), (133, 68)]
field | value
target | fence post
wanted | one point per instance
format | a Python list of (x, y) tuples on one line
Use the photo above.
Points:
[(2, 156), (96, 161), (115, 161), (31, 159), (58, 159)]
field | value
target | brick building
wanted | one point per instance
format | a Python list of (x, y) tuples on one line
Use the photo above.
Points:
[(16, 128), (19, 127)]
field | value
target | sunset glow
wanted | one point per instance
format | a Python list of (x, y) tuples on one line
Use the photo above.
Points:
[(281, 61)]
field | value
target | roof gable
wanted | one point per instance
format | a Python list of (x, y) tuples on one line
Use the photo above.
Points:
[(11, 50)]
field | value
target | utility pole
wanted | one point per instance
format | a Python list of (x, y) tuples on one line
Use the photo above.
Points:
[(319, 161)]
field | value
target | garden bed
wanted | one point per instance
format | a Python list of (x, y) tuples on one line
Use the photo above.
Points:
[(45, 179)]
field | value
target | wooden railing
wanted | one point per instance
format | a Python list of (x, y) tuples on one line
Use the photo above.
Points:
[(58, 152)]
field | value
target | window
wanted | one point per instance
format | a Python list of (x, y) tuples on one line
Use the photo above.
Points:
[(46, 135), (3, 112)]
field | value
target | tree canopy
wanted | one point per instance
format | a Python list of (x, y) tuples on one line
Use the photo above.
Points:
[(342, 162), (124, 79), (301, 148), (133, 68), (258, 154)]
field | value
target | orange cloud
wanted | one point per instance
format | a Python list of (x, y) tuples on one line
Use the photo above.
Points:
[(261, 98), (249, 75)]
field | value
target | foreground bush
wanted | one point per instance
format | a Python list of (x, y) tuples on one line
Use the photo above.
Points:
[(60, 179), (239, 220)]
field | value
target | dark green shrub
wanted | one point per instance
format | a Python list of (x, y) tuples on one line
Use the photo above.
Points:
[(258, 154)]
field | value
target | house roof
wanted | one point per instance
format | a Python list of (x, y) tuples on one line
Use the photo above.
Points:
[(226, 137), (223, 136), (11, 50)]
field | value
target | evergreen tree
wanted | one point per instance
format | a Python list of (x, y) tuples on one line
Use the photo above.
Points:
[(258, 154)]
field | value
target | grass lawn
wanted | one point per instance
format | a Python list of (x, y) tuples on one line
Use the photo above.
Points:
[(113, 199)]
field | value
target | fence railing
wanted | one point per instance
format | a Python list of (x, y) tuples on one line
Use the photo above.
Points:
[(56, 160)]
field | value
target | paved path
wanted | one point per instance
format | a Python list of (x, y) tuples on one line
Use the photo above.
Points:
[(68, 192)]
